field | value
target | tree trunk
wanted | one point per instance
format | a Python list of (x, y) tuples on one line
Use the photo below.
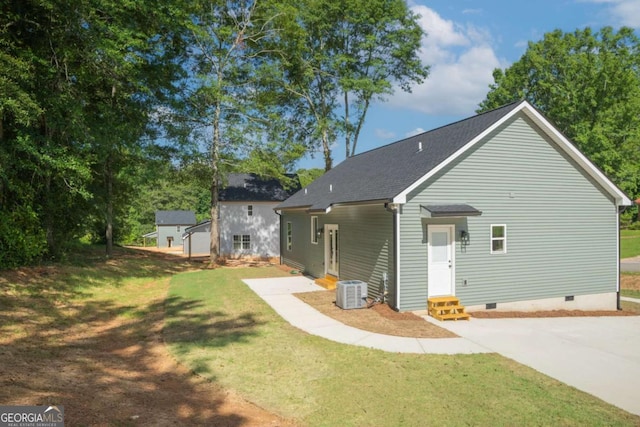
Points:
[(109, 231), (214, 249), (328, 161), (347, 126)]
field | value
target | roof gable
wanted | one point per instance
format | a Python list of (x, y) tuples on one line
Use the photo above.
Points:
[(247, 187), (390, 172), (175, 218)]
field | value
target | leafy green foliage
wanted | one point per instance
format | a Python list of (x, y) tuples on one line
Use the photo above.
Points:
[(588, 84), (339, 57), (307, 176), (80, 81)]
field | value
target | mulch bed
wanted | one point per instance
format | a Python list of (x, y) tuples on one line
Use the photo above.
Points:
[(380, 318), (553, 313)]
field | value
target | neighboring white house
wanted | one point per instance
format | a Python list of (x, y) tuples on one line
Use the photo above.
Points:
[(249, 226), (170, 225)]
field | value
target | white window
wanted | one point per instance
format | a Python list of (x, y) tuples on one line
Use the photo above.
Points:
[(289, 236), (314, 230), (250, 210), (498, 239), (241, 242)]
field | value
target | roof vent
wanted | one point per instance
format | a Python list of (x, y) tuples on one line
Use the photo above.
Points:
[(305, 191), (419, 146), (330, 188)]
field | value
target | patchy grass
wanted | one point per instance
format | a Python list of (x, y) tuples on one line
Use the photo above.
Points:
[(231, 336), (87, 334), (630, 285), (629, 243)]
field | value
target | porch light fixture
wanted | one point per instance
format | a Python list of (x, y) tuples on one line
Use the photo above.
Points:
[(320, 232)]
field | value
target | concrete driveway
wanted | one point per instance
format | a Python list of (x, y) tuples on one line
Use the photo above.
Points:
[(598, 355)]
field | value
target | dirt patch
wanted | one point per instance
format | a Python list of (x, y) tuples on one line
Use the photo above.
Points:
[(380, 318), (105, 363), (630, 282)]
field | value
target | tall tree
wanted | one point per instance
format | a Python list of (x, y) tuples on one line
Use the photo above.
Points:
[(231, 100), (77, 79), (343, 55), (588, 84), (130, 64)]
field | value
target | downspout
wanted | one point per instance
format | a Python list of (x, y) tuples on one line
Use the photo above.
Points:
[(279, 233), (396, 232), (395, 209), (620, 209)]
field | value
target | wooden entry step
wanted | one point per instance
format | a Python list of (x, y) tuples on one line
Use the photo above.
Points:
[(328, 282), (446, 308)]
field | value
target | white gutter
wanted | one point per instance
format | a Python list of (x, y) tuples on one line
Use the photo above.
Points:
[(397, 245)]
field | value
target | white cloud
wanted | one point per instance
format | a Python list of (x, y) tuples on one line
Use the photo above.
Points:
[(384, 134), (624, 12), (462, 62), (416, 131)]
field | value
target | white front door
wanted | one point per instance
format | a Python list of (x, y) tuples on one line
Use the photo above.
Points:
[(441, 260), (331, 250)]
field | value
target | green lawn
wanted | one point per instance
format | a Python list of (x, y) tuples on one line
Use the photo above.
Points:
[(223, 331), (629, 243), (632, 293)]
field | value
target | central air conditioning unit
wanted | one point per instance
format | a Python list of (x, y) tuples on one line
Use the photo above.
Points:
[(351, 294)]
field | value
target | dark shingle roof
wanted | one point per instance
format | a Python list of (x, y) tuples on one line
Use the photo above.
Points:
[(246, 187), (175, 218), (383, 173)]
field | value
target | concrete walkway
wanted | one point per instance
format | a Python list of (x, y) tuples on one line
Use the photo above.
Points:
[(598, 355), (630, 265), (278, 293)]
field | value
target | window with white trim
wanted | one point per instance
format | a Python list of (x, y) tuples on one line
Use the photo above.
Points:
[(289, 236), (241, 241), (498, 239), (250, 210), (314, 230)]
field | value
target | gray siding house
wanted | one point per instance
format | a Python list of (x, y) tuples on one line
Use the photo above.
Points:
[(499, 210), (170, 226), (196, 239)]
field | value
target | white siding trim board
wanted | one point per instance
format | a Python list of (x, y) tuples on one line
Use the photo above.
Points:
[(551, 131)]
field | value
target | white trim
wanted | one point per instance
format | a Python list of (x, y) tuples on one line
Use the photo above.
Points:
[(620, 198), (289, 236), (491, 239), (327, 242), (451, 230), (396, 213), (314, 230), (578, 157), (617, 251)]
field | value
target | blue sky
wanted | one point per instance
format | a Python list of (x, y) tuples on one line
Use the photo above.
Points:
[(466, 40)]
